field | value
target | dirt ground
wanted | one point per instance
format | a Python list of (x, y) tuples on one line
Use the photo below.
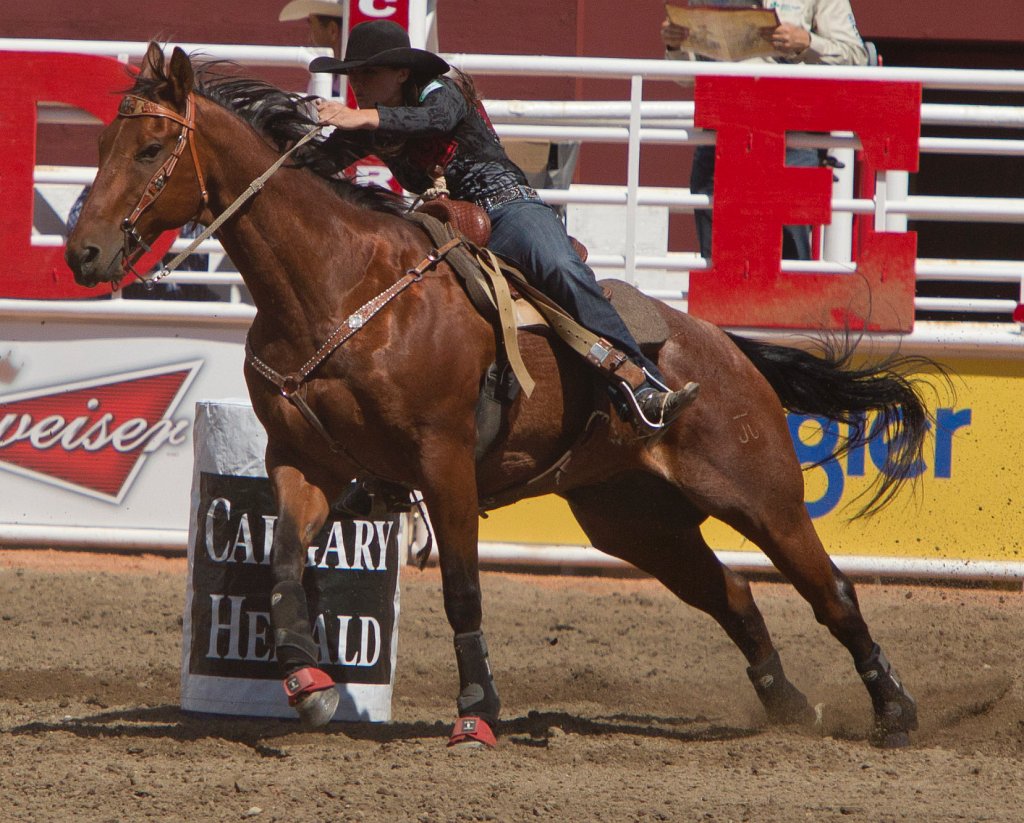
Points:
[(620, 704)]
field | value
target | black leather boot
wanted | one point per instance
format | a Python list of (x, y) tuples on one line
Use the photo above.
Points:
[(647, 403), (659, 408)]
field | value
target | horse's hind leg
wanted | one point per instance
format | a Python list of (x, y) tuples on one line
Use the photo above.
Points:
[(647, 522), (302, 510), (759, 491), (789, 539)]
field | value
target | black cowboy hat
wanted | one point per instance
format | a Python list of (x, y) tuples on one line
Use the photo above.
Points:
[(382, 43)]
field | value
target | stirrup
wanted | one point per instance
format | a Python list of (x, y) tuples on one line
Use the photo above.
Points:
[(656, 418)]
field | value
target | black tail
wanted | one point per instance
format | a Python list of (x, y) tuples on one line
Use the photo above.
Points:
[(828, 385)]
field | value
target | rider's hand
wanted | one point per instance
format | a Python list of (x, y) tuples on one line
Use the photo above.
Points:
[(672, 35), (791, 40), (338, 114)]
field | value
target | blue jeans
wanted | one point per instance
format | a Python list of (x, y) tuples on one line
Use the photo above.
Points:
[(532, 237), (796, 240)]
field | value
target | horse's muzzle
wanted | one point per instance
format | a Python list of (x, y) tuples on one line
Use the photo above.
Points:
[(86, 263)]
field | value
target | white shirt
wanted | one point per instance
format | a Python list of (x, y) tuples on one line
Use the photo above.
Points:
[(834, 36)]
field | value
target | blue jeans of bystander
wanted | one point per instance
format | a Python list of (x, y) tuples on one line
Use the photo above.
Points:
[(796, 240)]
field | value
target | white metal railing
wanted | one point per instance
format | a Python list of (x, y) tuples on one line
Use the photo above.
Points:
[(672, 122), (636, 123)]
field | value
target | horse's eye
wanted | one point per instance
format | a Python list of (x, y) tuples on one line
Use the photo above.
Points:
[(149, 152)]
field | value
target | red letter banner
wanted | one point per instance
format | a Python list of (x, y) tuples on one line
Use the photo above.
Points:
[(756, 194), (86, 82)]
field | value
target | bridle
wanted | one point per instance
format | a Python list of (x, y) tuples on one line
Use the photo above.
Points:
[(134, 245), (133, 106)]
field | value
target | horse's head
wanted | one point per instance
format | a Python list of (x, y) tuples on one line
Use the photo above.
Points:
[(149, 177)]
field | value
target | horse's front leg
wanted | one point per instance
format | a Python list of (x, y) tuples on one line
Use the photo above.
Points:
[(301, 511), (453, 508)]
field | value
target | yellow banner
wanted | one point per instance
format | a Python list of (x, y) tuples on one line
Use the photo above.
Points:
[(968, 502)]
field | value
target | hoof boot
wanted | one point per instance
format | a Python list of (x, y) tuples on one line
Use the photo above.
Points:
[(890, 740), (312, 693), (472, 733)]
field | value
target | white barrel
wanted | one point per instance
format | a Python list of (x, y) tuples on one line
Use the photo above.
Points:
[(351, 581)]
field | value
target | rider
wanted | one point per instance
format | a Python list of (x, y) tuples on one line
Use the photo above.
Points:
[(422, 124)]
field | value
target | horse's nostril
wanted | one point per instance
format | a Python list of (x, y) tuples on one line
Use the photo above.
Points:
[(82, 260)]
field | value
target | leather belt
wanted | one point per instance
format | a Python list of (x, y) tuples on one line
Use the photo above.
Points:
[(507, 195)]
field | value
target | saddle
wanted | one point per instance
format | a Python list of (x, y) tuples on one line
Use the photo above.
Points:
[(490, 283), (471, 220), (468, 219)]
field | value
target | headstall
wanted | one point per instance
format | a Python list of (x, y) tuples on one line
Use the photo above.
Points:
[(133, 106)]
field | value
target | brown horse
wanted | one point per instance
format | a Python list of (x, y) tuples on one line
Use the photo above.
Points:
[(396, 400)]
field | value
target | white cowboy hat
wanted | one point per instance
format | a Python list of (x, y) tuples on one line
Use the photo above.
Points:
[(301, 9)]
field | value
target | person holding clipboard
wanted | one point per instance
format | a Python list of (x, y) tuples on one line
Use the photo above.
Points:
[(809, 31)]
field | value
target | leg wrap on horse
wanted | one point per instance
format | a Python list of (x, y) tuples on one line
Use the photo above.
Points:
[(895, 709), (478, 695), (289, 616), (783, 702)]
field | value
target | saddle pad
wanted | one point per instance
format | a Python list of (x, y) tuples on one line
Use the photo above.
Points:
[(638, 312)]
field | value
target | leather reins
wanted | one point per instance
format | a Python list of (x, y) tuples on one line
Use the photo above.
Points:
[(292, 385), (133, 106)]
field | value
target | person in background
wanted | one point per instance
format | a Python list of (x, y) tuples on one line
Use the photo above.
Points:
[(810, 31), (326, 20), (324, 17), (423, 124)]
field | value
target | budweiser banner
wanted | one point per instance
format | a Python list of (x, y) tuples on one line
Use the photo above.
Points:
[(96, 440), (351, 582)]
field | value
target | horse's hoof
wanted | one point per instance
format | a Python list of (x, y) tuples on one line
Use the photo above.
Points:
[(890, 740), (471, 733), (317, 708), (803, 716), (783, 702), (466, 747), (787, 706), (312, 693)]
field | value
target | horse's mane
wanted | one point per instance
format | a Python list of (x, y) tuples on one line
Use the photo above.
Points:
[(281, 118)]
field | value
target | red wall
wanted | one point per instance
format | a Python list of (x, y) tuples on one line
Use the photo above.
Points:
[(223, 21), (593, 27), (987, 20)]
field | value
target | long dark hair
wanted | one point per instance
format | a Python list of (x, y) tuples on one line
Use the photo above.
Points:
[(413, 87)]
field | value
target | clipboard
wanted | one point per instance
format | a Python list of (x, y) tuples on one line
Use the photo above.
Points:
[(727, 34)]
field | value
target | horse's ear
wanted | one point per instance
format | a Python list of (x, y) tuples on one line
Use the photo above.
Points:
[(181, 76), (153, 62)]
